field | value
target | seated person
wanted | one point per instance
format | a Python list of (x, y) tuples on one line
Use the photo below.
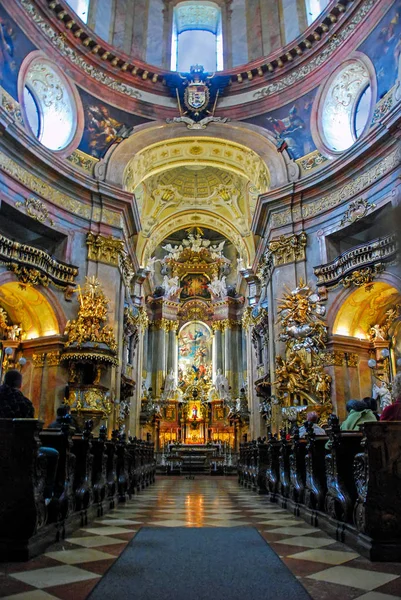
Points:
[(312, 417), (372, 404), (393, 412), (13, 403), (62, 412), (358, 414)]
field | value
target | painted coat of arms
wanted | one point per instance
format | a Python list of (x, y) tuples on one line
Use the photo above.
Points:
[(196, 96)]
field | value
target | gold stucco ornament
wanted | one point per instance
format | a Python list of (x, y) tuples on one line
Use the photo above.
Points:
[(90, 325)]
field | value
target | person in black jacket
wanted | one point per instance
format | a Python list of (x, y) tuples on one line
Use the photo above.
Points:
[(13, 403)]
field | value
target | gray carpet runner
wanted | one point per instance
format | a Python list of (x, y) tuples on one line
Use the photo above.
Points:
[(208, 563)]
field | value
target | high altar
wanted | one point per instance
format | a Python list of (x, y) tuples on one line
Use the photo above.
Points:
[(186, 398)]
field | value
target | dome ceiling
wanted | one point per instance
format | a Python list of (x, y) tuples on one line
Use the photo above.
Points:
[(196, 182), (190, 181)]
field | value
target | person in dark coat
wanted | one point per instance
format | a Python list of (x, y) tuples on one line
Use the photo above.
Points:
[(13, 403)]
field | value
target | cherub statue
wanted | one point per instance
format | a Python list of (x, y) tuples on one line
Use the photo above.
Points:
[(14, 332), (377, 333)]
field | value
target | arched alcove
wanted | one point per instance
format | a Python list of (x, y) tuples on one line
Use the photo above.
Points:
[(28, 307)]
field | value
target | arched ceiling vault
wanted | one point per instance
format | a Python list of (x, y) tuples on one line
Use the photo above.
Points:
[(259, 141), (147, 245), (211, 179), (205, 152), (363, 308)]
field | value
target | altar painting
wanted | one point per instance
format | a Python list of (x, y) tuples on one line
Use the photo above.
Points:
[(195, 285), (194, 354)]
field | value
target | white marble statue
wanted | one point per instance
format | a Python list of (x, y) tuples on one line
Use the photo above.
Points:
[(377, 333), (150, 266), (212, 395), (171, 286), (195, 242), (240, 264), (221, 384), (173, 251), (383, 394), (216, 251), (14, 332), (218, 287), (170, 384)]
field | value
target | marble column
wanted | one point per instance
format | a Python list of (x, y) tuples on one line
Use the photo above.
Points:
[(167, 33), (228, 350), (218, 349), (172, 347), (275, 408), (139, 358), (101, 18), (226, 14), (159, 361)]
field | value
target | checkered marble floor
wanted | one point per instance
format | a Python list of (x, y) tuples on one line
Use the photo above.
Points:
[(327, 569)]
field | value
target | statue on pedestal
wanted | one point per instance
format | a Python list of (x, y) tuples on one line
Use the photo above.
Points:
[(171, 286), (221, 383), (383, 394), (218, 287), (170, 384)]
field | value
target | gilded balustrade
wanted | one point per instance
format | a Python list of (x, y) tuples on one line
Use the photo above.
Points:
[(35, 266), (359, 265)]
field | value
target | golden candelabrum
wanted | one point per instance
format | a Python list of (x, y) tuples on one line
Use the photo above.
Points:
[(300, 380)]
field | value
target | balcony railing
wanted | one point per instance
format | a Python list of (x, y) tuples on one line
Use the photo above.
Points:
[(35, 266), (371, 255)]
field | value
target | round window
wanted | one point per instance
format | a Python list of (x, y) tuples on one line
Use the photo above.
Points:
[(50, 104), (345, 106)]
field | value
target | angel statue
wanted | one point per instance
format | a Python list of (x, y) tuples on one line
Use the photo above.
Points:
[(170, 384), (218, 287), (377, 333), (383, 394), (216, 251), (195, 242), (173, 251), (240, 264), (150, 265), (221, 384), (171, 286)]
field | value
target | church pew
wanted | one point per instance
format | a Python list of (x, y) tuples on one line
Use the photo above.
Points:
[(99, 471), (284, 469), (23, 510), (315, 473), (377, 473), (351, 488), (273, 467), (111, 470), (297, 470), (122, 468), (341, 490), (261, 466), (50, 490)]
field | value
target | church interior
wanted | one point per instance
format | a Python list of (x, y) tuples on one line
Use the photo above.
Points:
[(200, 207)]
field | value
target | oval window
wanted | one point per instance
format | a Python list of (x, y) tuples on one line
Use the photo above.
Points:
[(49, 105), (346, 106)]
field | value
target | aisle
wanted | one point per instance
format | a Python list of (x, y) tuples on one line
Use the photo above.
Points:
[(327, 569)]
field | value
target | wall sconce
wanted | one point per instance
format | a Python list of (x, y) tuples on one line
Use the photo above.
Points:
[(21, 362)]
